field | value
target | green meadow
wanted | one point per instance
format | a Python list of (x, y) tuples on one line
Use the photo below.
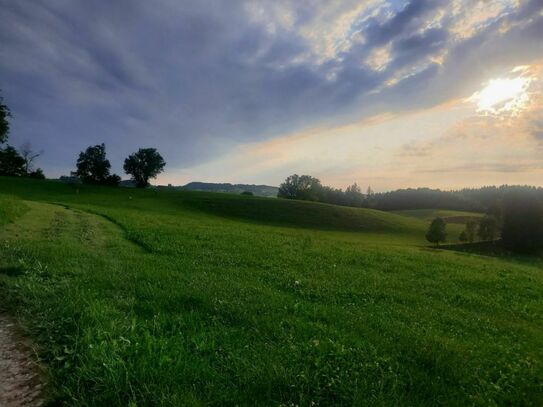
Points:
[(172, 298)]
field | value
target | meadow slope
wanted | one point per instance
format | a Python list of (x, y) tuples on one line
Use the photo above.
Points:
[(156, 297)]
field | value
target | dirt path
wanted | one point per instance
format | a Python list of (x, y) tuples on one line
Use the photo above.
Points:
[(20, 381)]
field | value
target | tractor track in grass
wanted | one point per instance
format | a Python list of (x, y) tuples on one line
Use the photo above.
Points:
[(22, 378)]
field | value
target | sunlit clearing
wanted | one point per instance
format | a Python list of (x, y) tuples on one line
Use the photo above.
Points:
[(503, 96)]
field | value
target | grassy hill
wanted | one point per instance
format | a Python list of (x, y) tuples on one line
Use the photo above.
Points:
[(145, 297), (458, 217), (258, 190)]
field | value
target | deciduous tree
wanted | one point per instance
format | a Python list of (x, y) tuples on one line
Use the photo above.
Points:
[(11, 162), (29, 155), (143, 165), (92, 165), (304, 187), (437, 231), (354, 196)]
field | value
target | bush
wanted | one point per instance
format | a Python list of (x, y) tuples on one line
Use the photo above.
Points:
[(112, 180), (248, 193), (36, 174)]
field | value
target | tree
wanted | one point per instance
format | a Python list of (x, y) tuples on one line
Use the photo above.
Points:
[(11, 163), (437, 231), (471, 230), (92, 165), (370, 197), (488, 228), (248, 193), (143, 165), (29, 155), (4, 123), (463, 236), (523, 223), (354, 196), (304, 187)]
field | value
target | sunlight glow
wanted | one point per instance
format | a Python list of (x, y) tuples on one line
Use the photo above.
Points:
[(503, 96)]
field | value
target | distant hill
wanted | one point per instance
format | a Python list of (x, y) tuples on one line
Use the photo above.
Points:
[(258, 190)]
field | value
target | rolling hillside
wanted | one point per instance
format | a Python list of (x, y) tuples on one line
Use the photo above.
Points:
[(258, 190), (146, 297)]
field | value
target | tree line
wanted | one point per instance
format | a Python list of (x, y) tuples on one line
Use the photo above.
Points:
[(92, 166), (483, 199), (308, 188), (513, 214)]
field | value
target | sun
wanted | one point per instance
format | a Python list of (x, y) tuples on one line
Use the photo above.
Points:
[(503, 96)]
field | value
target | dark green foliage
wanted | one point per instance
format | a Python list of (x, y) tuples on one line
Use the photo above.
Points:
[(437, 231), (302, 187), (92, 165), (488, 228), (143, 165), (331, 195), (485, 199), (463, 236), (247, 193), (112, 180), (354, 196), (4, 122), (471, 230), (421, 198), (308, 188), (36, 174), (523, 223), (11, 162)]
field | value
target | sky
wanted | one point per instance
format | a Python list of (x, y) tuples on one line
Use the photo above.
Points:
[(393, 94)]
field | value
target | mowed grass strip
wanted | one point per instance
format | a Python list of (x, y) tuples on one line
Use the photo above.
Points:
[(189, 301)]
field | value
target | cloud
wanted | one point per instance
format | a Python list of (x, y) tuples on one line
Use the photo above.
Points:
[(197, 79)]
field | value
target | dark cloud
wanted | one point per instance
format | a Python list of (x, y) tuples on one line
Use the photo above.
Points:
[(417, 47), (196, 78), (381, 33)]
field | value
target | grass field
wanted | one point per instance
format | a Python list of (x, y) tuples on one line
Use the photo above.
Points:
[(146, 297)]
